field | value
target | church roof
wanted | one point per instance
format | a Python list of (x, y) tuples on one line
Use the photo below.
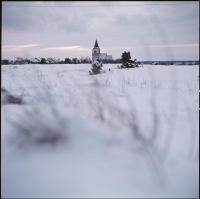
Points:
[(96, 44)]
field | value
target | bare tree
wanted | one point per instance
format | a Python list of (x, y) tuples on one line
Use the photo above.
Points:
[(50, 60), (75, 61), (19, 60)]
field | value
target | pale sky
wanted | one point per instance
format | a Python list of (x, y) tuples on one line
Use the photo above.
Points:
[(149, 32)]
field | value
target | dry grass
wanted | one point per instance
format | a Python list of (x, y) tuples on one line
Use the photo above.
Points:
[(144, 144), (39, 127), (7, 98), (31, 129)]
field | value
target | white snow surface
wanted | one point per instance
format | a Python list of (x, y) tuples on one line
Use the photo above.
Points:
[(36, 60), (123, 133)]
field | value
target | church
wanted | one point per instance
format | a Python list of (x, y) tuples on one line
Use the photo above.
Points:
[(97, 55)]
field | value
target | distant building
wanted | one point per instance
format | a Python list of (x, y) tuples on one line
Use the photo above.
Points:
[(96, 54), (35, 60)]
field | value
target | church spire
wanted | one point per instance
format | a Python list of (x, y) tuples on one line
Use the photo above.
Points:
[(96, 44)]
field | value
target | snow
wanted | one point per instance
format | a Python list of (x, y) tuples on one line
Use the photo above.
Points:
[(123, 133), (39, 58), (36, 60)]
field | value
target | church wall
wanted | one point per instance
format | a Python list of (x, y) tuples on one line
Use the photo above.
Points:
[(109, 57), (96, 53)]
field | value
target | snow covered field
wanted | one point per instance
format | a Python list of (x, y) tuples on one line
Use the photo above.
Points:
[(124, 133)]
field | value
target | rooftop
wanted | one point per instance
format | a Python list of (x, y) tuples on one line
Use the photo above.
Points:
[(96, 44)]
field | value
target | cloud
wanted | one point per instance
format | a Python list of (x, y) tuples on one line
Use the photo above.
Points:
[(127, 19), (70, 31), (34, 19), (159, 46), (169, 46), (18, 47), (71, 48), (56, 19)]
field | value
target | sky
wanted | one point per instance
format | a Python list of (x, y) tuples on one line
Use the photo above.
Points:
[(63, 29)]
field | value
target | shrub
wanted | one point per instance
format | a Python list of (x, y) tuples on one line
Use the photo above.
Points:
[(96, 68)]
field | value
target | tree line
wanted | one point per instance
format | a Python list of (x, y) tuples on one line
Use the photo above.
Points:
[(53, 60), (49, 60)]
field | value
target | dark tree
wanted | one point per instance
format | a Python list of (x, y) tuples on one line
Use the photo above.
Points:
[(68, 61), (89, 60), (50, 60), (27, 60), (43, 61), (126, 57), (86, 60), (5, 61), (127, 62), (75, 61), (19, 60), (117, 61)]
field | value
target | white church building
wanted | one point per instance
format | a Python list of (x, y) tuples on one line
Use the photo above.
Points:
[(96, 54)]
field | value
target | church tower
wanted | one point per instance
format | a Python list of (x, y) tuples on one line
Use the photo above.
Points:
[(95, 51)]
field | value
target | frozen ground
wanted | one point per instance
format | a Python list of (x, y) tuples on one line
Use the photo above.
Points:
[(124, 133)]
